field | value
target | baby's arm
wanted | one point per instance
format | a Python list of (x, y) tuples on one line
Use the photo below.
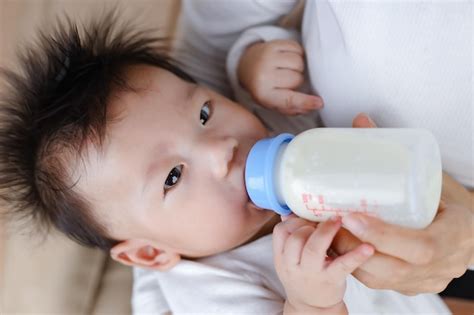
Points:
[(207, 29), (314, 283)]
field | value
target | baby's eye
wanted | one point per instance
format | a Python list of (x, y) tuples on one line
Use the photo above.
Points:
[(173, 177), (205, 112)]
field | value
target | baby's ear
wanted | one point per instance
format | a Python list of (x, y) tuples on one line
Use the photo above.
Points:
[(142, 254)]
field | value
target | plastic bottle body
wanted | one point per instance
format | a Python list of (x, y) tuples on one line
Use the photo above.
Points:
[(393, 174)]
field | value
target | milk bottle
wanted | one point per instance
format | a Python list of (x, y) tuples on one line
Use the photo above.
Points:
[(392, 174)]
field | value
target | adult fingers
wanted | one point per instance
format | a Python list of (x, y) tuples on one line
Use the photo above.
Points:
[(411, 286), (344, 242), (363, 120), (344, 265), (374, 271), (404, 276), (411, 245), (443, 223)]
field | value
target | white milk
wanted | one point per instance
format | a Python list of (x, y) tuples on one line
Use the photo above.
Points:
[(393, 174)]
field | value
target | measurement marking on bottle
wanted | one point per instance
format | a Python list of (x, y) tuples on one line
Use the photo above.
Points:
[(320, 208)]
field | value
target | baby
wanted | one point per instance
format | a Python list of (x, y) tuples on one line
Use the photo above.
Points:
[(108, 140)]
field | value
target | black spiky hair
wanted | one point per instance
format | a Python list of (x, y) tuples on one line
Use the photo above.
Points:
[(57, 103)]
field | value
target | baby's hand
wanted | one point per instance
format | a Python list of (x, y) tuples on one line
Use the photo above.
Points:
[(270, 71), (310, 278)]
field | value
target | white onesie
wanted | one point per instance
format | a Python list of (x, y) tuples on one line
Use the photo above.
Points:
[(244, 281)]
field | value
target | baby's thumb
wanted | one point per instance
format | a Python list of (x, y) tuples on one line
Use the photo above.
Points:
[(344, 265), (293, 102)]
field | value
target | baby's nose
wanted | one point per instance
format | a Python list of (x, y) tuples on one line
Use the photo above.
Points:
[(222, 153)]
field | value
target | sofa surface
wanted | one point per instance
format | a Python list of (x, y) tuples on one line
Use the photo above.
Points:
[(54, 275)]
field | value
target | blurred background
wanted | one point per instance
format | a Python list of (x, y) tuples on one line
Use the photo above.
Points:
[(54, 275)]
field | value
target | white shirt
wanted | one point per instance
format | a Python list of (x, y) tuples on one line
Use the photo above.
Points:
[(408, 64), (244, 281)]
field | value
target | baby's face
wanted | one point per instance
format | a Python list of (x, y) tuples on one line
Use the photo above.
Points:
[(171, 171)]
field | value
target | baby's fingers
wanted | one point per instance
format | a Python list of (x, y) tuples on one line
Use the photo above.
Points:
[(287, 79), (295, 244), (318, 243), (292, 103), (344, 265), (283, 230)]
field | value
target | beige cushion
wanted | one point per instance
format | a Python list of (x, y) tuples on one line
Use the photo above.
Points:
[(115, 290), (57, 276)]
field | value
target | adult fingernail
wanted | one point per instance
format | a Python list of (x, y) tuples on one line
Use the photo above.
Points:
[(364, 119), (367, 120), (371, 122), (354, 224)]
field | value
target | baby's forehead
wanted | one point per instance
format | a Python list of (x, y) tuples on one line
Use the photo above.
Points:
[(142, 78), (147, 86), (158, 106)]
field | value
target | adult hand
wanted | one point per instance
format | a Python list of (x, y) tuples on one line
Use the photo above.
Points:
[(413, 261)]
